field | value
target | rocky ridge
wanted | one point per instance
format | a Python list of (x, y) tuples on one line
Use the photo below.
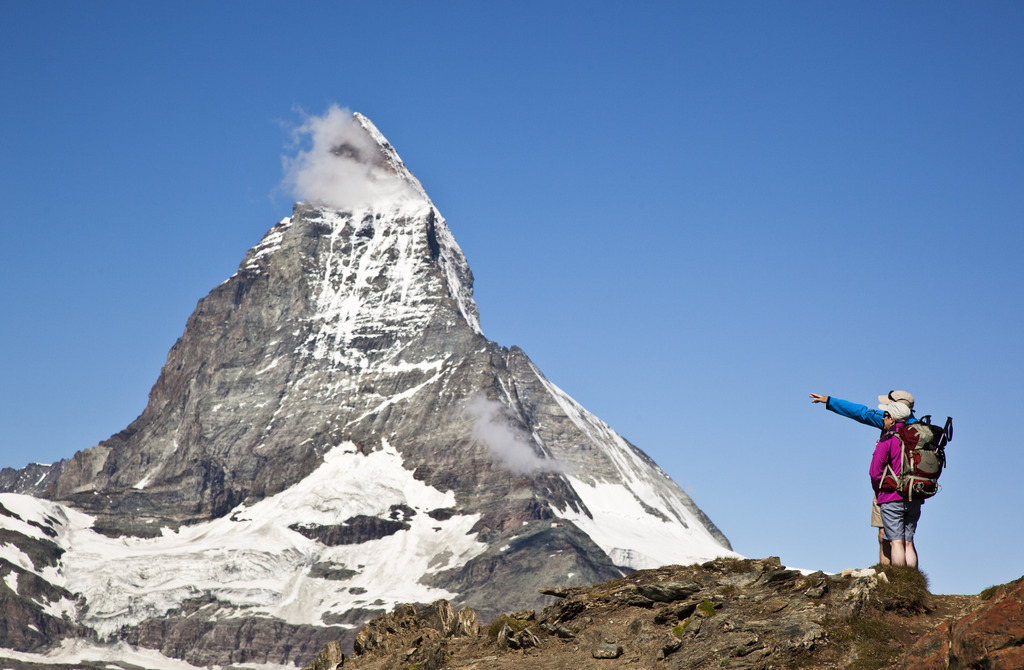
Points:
[(726, 613)]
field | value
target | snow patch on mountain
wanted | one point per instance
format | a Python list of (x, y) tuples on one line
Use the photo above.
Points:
[(372, 278), (637, 514), (632, 536), (116, 655), (253, 561), (30, 516), (359, 256), (44, 522), (15, 556)]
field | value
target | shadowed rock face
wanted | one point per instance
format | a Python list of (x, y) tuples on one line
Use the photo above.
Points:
[(357, 326)]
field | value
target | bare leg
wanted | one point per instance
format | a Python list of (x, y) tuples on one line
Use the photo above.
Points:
[(884, 549), (911, 554), (899, 552)]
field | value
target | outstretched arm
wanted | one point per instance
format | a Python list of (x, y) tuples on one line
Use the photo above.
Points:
[(851, 410)]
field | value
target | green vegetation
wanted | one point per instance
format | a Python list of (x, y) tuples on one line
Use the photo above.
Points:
[(681, 628), (869, 636), (987, 594), (707, 607), (874, 642)]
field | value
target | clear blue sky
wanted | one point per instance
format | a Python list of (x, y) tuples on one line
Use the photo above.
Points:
[(689, 214)]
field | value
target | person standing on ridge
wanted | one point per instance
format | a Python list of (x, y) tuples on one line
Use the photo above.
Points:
[(899, 516), (870, 417)]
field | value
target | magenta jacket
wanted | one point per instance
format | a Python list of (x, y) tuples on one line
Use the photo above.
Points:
[(887, 451)]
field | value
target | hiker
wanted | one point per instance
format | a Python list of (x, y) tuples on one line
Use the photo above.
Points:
[(899, 516), (870, 417)]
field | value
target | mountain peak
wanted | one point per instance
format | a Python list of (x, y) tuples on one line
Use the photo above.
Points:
[(333, 435), (349, 164), (386, 157)]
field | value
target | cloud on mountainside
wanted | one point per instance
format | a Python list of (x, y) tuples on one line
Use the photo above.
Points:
[(338, 168), (509, 447)]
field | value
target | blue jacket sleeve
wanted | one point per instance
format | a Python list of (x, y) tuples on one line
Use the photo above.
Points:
[(859, 413)]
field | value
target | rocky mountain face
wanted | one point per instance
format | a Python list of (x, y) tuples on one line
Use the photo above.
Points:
[(333, 435)]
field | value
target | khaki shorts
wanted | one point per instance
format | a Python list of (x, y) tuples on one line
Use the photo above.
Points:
[(876, 514)]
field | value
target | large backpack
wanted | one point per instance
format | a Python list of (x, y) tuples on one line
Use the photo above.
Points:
[(923, 448)]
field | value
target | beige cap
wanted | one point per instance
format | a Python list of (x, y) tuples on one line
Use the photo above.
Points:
[(897, 396)]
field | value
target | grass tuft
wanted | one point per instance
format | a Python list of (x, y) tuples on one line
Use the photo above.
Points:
[(905, 592), (874, 644), (992, 590)]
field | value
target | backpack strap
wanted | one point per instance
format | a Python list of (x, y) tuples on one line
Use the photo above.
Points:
[(889, 475)]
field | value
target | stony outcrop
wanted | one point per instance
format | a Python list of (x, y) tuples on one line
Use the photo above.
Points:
[(991, 637), (740, 614), (407, 637), (726, 613)]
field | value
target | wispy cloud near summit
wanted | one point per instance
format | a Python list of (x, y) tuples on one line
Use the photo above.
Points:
[(507, 445), (341, 166)]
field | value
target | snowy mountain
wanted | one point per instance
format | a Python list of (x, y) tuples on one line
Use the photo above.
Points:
[(332, 435)]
